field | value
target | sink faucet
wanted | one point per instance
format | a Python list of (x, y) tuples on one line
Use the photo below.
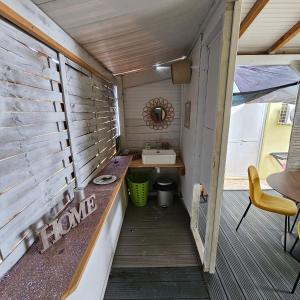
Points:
[(165, 145), (158, 144)]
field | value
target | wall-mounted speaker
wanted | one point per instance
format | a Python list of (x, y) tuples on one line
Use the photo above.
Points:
[(181, 71)]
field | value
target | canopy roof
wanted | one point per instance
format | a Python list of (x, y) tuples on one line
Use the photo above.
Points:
[(262, 84)]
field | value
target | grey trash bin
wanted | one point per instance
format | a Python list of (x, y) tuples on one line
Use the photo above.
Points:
[(165, 188)]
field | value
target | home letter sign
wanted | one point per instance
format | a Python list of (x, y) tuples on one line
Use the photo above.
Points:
[(54, 231)]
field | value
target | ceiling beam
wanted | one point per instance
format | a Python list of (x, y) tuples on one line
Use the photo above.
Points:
[(252, 14), (267, 59), (285, 38)]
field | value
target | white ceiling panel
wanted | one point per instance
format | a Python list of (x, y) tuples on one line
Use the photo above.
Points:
[(246, 6), (276, 18), (130, 34)]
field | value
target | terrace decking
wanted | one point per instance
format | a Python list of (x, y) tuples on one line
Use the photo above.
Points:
[(156, 257), (251, 263)]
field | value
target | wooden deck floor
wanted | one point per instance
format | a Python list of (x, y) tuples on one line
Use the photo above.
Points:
[(251, 263), (156, 257)]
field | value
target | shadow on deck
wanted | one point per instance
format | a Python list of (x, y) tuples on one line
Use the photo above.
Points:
[(251, 263)]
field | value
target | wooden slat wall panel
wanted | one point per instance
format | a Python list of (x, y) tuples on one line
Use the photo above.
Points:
[(137, 132), (36, 169), (293, 161), (91, 109)]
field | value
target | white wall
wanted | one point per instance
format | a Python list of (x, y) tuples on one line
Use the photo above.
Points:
[(197, 142), (208, 136), (135, 98), (189, 136), (210, 109)]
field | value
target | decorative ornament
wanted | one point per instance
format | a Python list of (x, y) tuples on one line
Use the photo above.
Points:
[(53, 232), (158, 113), (187, 114)]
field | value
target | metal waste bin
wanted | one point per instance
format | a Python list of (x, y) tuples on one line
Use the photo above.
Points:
[(165, 188)]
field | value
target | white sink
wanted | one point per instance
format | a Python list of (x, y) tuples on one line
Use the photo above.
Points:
[(158, 156)]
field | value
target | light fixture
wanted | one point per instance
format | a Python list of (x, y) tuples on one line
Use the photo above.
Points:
[(160, 68)]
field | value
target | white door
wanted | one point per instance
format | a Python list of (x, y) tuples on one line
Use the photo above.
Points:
[(245, 134)]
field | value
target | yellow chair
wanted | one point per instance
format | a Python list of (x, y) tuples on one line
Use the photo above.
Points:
[(296, 241), (268, 202)]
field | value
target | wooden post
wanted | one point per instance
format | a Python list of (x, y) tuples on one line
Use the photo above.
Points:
[(67, 105), (293, 160)]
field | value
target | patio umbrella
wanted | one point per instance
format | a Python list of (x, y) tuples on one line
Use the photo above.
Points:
[(265, 84)]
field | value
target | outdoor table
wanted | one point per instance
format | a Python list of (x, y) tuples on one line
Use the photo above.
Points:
[(280, 157), (287, 183)]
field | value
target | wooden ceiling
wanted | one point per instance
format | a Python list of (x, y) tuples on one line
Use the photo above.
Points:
[(127, 35), (270, 27)]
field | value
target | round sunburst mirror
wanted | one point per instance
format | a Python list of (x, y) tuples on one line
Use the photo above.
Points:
[(158, 113)]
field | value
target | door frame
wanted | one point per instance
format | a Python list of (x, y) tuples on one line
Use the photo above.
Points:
[(224, 103)]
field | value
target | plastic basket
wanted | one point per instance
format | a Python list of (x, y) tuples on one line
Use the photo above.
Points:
[(138, 184)]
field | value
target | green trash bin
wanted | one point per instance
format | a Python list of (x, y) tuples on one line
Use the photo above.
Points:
[(138, 185)]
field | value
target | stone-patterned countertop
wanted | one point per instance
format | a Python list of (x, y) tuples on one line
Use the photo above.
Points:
[(48, 275)]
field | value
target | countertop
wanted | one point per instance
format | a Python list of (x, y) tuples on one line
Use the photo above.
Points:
[(53, 273), (138, 163)]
